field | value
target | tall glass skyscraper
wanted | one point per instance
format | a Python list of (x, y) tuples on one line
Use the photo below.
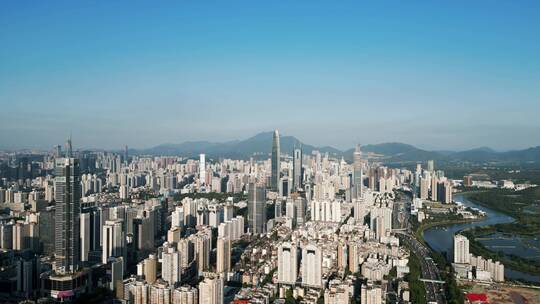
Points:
[(297, 169), (67, 213), (276, 168), (256, 208)]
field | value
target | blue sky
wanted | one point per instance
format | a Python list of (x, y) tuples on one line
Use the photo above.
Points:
[(440, 75)]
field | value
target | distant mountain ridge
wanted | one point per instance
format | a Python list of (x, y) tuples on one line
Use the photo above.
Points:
[(260, 146)]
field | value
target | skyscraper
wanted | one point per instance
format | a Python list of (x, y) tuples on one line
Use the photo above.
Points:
[(461, 249), (67, 213), (171, 270), (256, 208), (276, 168), (113, 240), (287, 263), (297, 169), (357, 173), (223, 263), (69, 148), (202, 169), (311, 266)]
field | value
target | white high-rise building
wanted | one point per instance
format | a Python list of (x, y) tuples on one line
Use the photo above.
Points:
[(211, 290), (287, 263), (202, 169), (311, 266), (113, 240), (170, 268), (177, 217), (461, 249), (85, 236), (381, 221)]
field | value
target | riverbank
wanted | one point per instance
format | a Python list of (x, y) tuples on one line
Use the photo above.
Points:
[(419, 231), (441, 240), (525, 225)]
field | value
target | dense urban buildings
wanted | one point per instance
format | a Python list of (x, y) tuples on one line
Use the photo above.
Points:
[(170, 229)]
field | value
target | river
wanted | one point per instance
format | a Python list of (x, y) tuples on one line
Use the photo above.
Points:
[(441, 238)]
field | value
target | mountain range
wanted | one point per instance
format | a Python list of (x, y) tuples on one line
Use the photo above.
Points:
[(260, 146)]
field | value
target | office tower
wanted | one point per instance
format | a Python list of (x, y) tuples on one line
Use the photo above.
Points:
[(223, 263), (311, 266), (276, 168), (6, 236), (170, 267), (287, 263), (85, 236), (297, 169), (430, 165), (256, 208), (150, 269), (117, 272), (126, 155), (69, 148), (67, 212), (211, 290), (461, 249), (202, 169), (357, 173), (300, 208), (113, 240)]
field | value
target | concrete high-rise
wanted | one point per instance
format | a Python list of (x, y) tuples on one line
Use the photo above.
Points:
[(311, 266), (202, 169), (170, 267), (256, 208), (223, 261), (461, 249), (211, 290), (297, 169), (113, 240), (357, 173), (287, 263), (67, 214), (276, 166)]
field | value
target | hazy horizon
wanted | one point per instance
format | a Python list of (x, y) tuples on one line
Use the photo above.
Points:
[(439, 76)]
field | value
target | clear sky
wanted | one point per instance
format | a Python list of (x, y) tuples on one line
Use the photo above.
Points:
[(436, 74)]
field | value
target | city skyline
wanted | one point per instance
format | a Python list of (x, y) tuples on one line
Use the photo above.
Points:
[(450, 76)]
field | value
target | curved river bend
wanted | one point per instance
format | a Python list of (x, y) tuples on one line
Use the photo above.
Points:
[(441, 238)]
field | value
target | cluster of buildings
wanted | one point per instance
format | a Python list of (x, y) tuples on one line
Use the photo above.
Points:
[(173, 230), (468, 266)]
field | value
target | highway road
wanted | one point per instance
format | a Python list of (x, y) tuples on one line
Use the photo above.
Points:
[(430, 271)]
